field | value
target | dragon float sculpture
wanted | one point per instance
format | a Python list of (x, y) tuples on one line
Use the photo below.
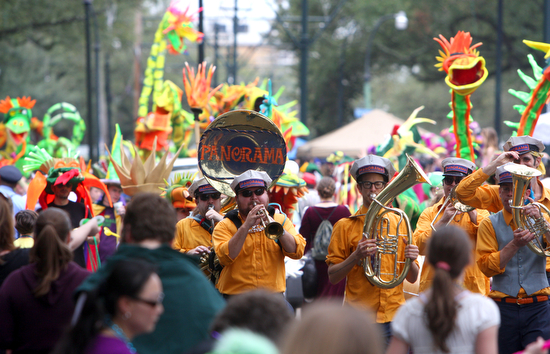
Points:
[(466, 71)]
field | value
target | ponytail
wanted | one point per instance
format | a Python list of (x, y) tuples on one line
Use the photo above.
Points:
[(6, 226), (50, 252), (449, 252)]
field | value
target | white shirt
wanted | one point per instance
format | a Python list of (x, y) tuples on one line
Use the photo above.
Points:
[(475, 314)]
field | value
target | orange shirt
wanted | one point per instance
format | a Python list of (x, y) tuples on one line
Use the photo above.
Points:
[(261, 261), (474, 279), (360, 292), (471, 192), (189, 234), (489, 255)]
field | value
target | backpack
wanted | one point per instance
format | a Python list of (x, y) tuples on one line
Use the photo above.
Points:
[(321, 240)]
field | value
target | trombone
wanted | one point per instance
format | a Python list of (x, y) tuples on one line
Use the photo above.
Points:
[(273, 230), (452, 199)]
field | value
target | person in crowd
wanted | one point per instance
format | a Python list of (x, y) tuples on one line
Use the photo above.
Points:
[(490, 145), (326, 209), (24, 224), (251, 260), (96, 194), (520, 286), (36, 300), (9, 177), (447, 318), (113, 218), (190, 301), (328, 327), (311, 198), (454, 170), (126, 304), (349, 247), (258, 311), (194, 234)]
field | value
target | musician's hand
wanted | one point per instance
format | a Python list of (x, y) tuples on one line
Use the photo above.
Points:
[(447, 215), (536, 347), (365, 247), (213, 215), (531, 210), (522, 237), (411, 251), (253, 218), (199, 250), (473, 216), (505, 157)]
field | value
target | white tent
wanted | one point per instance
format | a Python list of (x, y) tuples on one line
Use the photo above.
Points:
[(354, 138)]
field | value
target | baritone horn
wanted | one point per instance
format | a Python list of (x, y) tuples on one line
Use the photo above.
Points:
[(273, 230), (377, 226), (452, 199), (521, 177)]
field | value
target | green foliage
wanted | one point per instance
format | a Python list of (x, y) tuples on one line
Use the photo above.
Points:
[(402, 62)]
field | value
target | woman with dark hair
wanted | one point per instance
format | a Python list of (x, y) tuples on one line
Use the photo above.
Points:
[(36, 300), (11, 257), (327, 209), (127, 303), (447, 318)]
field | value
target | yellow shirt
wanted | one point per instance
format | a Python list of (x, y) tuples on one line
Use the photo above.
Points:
[(471, 192), (189, 234), (360, 292), (261, 261), (489, 255), (24, 242), (474, 279)]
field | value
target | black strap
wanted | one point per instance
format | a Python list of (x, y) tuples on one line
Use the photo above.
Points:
[(204, 223), (319, 215)]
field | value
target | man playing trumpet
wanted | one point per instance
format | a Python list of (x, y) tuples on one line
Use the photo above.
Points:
[(194, 233), (454, 170), (349, 247), (251, 260), (520, 286)]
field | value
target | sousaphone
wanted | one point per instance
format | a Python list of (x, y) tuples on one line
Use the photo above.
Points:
[(238, 141)]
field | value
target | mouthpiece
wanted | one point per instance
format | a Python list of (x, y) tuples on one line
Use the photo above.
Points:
[(510, 202), (372, 196)]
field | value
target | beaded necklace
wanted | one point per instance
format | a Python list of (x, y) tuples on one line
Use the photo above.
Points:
[(120, 334)]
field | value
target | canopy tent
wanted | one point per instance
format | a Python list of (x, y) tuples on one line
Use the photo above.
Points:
[(354, 138)]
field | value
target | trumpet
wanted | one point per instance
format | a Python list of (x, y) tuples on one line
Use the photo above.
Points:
[(460, 207), (273, 230)]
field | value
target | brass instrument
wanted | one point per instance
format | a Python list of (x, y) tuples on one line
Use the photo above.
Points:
[(273, 230), (377, 226), (521, 177), (452, 199), (238, 141)]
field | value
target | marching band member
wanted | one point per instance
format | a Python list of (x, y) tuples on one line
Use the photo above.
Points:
[(349, 246), (523, 150), (251, 260), (454, 170), (520, 287), (194, 233)]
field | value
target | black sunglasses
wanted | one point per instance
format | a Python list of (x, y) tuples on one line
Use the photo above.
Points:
[(149, 302), (247, 193), (450, 179), (214, 196)]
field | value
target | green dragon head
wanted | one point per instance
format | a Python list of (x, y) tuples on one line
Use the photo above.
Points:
[(17, 117)]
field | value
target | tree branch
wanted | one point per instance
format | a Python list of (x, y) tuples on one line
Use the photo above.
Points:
[(37, 25)]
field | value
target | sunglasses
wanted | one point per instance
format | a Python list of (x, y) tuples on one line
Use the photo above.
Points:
[(450, 179), (247, 193), (149, 302), (214, 196)]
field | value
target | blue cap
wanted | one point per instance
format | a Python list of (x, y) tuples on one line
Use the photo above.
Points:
[(10, 174)]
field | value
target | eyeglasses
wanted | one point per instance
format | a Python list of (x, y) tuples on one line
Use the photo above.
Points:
[(247, 193), (368, 185), (151, 303), (205, 197), (450, 179)]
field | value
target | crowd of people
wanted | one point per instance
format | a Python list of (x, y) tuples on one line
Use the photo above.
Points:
[(144, 278)]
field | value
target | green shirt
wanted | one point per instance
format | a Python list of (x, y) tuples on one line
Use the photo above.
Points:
[(190, 301)]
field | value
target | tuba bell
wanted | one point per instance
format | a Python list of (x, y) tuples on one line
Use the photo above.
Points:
[(377, 226), (521, 177)]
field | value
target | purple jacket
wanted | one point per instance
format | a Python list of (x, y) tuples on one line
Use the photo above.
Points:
[(30, 324)]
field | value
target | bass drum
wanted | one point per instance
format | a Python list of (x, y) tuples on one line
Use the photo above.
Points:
[(238, 141)]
